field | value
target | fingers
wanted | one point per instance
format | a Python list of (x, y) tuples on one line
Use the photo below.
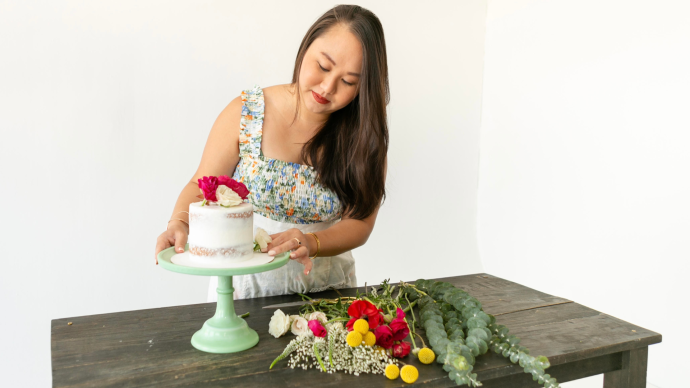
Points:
[(180, 241), (177, 237), (301, 255), (299, 252), (161, 243), (280, 247), (290, 241)]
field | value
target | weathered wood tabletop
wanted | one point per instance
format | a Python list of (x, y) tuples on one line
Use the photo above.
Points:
[(151, 348)]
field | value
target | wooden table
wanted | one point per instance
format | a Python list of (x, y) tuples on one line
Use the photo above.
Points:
[(151, 348)]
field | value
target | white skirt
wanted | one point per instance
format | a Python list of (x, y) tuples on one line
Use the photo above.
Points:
[(335, 271)]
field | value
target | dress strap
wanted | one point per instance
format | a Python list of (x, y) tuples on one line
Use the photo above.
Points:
[(251, 122)]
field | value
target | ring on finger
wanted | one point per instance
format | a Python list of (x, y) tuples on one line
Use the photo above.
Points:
[(296, 239)]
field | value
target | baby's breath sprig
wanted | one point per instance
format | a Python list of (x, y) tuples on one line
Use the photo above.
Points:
[(307, 350)]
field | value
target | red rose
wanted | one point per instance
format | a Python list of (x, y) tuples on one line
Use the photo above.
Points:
[(401, 349), (234, 185), (317, 328), (384, 336), (361, 309), (208, 186), (400, 329)]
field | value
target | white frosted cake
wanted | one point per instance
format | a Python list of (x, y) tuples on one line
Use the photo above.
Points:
[(220, 234)]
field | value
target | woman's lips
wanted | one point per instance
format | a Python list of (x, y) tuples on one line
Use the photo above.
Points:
[(318, 98)]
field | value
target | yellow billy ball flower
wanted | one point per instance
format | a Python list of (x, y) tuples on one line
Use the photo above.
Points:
[(426, 356), (409, 374), (362, 326), (392, 371), (354, 338), (369, 339)]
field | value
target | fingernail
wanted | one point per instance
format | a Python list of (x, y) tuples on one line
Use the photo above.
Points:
[(308, 272), (271, 252), (292, 255)]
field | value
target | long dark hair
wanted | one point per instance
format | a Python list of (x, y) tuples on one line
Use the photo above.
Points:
[(349, 151)]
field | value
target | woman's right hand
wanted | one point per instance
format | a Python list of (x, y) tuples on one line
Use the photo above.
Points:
[(176, 235)]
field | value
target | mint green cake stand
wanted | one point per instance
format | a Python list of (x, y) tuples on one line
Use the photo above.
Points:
[(225, 332)]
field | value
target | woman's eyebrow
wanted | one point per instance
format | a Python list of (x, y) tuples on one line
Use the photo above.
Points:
[(333, 62)]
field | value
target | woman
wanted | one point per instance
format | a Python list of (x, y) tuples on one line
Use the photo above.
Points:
[(312, 153)]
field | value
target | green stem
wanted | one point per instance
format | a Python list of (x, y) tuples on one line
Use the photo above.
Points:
[(338, 319), (421, 339), (245, 315), (318, 357), (303, 296), (406, 309)]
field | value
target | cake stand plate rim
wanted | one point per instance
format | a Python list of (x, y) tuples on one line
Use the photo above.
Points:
[(165, 256)]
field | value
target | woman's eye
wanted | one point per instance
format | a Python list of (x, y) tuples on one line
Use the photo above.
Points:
[(322, 67), (347, 83)]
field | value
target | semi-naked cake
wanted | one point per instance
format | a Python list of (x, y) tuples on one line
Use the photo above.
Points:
[(219, 234)]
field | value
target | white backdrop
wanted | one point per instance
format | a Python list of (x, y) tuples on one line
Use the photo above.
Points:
[(104, 110), (584, 169)]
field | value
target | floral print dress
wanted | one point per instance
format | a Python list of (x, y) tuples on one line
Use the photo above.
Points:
[(285, 195)]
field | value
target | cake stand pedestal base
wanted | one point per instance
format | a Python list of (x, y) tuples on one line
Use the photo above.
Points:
[(225, 332)]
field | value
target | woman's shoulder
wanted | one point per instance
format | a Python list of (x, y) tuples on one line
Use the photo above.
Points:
[(278, 98), (277, 94)]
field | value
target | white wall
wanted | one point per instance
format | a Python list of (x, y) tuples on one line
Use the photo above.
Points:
[(583, 189), (104, 111)]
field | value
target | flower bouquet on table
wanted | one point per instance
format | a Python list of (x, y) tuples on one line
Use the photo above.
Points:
[(377, 324), (370, 341)]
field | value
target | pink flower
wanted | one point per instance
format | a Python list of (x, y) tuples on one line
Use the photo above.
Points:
[(399, 327), (208, 186), (234, 185), (399, 313), (317, 328), (384, 336), (401, 349)]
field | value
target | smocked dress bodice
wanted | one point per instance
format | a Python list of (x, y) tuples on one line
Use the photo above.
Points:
[(282, 191)]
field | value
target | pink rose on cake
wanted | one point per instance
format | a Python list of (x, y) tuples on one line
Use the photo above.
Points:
[(208, 186), (222, 190), (234, 185)]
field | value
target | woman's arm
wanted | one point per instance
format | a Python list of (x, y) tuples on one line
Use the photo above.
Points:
[(345, 235), (220, 157)]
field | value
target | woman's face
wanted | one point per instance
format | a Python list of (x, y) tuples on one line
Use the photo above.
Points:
[(329, 76)]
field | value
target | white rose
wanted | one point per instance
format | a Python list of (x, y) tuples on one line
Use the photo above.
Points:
[(299, 325), (279, 325), (227, 197), (262, 238), (319, 316)]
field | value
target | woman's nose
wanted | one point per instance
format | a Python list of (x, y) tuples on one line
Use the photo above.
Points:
[(328, 86)]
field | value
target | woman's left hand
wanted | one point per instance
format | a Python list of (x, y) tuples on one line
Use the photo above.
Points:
[(290, 241)]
